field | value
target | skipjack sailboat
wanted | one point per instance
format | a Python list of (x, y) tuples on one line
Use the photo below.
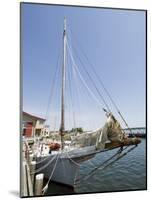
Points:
[(62, 165)]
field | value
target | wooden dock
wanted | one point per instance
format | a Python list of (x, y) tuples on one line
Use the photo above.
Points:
[(31, 184)]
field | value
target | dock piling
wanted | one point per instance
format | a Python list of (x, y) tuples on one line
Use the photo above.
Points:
[(32, 170), (39, 184)]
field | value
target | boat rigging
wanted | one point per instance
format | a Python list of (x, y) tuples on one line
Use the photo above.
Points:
[(83, 147)]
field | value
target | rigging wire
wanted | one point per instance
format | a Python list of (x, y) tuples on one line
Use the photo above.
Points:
[(84, 82), (81, 86), (68, 100), (71, 97), (103, 86), (52, 88), (77, 91), (55, 99), (77, 94), (94, 84), (106, 163)]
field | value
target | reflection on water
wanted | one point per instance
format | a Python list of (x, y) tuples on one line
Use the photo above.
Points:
[(129, 173)]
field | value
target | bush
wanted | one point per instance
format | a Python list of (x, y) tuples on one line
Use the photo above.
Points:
[(79, 130)]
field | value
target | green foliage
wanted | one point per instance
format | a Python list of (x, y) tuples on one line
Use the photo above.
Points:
[(79, 130)]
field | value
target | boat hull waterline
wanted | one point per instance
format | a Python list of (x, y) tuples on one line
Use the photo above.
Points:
[(68, 163), (67, 166)]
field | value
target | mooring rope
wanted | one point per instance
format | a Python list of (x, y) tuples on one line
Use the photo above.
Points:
[(46, 165), (72, 160), (41, 161), (45, 188)]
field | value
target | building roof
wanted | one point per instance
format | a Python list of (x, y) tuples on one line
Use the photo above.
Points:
[(33, 116)]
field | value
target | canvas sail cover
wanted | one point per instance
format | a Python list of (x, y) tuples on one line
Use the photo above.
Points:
[(85, 139), (111, 131)]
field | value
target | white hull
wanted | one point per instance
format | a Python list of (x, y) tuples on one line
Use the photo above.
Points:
[(66, 169)]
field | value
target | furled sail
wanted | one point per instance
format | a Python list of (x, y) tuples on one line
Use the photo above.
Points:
[(111, 131), (85, 139)]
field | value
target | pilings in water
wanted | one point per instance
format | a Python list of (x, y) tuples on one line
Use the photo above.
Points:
[(30, 185)]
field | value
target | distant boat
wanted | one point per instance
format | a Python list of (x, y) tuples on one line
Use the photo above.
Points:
[(62, 165)]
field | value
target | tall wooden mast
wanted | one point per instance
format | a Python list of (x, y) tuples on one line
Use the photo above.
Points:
[(62, 126)]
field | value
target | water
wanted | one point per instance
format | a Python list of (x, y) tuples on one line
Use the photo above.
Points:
[(128, 173)]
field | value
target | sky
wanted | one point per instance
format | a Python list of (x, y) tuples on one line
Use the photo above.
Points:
[(114, 43)]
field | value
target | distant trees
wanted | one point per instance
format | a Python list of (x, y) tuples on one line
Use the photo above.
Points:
[(73, 131), (67, 134), (78, 130)]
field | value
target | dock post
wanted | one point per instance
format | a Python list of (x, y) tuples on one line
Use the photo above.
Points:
[(30, 185), (31, 158), (24, 191), (32, 170), (39, 184)]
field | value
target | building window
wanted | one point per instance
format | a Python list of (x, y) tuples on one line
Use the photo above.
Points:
[(38, 132)]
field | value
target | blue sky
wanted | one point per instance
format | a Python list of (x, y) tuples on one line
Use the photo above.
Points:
[(114, 42)]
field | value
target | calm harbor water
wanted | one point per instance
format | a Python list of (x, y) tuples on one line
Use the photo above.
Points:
[(128, 173)]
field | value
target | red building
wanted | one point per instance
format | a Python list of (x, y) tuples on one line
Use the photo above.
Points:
[(32, 125)]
